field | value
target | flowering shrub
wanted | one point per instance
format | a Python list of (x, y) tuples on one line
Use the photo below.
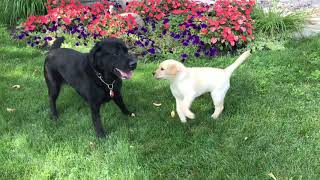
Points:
[(74, 18), (179, 27)]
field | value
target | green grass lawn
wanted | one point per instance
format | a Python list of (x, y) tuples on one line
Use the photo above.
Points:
[(271, 123)]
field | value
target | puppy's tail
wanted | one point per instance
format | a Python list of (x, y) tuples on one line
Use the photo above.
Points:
[(57, 43), (238, 62)]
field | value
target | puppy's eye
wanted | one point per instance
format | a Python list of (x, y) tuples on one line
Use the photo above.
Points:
[(161, 69)]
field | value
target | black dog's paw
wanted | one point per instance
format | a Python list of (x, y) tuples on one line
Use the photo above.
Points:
[(54, 117), (128, 113), (132, 114), (101, 134)]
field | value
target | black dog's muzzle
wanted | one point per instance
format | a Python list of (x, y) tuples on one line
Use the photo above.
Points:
[(133, 61)]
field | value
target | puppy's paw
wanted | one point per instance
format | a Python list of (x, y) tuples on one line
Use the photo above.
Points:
[(191, 115), (215, 116), (183, 120)]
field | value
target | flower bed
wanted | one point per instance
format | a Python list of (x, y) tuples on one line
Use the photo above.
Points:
[(181, 28)]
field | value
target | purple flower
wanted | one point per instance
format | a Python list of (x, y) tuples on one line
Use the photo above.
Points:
[(21, 36), (203, 25), (85, 44), (172, 34), (177, 36), (77, 43), (146, 43), (139, 43), (165, 21), (197, 54), (48, 38), (84, 35), (164, 32), (185, 43), (43, 30), (152, 51), (212, 51), (144, 29), (184, 56), (131, 32)]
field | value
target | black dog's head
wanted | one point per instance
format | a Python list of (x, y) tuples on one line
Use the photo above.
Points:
[(111, 56)]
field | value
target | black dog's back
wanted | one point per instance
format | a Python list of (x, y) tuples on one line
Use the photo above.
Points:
[(63, 64)]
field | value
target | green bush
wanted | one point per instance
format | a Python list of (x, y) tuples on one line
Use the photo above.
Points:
[(13, 10), (275, 24)]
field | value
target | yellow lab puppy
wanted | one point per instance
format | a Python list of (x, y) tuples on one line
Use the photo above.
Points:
[(188, 83)]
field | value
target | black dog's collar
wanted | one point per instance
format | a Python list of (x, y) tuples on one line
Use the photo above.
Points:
[(109, 86)]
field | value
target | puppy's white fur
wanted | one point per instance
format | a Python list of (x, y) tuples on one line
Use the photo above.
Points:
[(188, 83)]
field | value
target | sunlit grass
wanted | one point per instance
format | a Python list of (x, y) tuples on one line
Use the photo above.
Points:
[(270, 123)]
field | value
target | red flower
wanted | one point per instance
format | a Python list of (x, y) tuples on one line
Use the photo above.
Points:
[(204, 31), (103, 32), (214, 40), (166, 26), (182, 28), (244, 38), (66, 20)]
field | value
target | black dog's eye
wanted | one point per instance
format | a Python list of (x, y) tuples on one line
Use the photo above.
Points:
[(161, 69)]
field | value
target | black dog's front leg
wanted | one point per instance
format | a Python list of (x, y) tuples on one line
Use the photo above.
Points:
[(119, 102), (95, 113)]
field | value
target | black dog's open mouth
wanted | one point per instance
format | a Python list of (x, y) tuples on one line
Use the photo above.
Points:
[(123, 74)]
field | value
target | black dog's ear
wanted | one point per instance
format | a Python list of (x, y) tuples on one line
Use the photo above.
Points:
[(92, 54)]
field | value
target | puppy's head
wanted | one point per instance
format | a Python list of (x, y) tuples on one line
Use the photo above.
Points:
[(168, 69), (111, 56)]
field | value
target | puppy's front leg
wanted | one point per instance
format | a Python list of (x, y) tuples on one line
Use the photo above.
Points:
[(95, 112), (186, 103), (119, 102), (182, 117)]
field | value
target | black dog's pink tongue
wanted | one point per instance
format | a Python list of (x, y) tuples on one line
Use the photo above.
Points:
[(126, 75), (129, 74)]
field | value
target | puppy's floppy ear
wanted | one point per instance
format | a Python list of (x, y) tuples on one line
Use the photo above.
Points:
[(92, 54), (174, 69)]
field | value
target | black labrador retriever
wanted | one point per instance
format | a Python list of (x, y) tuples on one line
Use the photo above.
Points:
[(96, 76)]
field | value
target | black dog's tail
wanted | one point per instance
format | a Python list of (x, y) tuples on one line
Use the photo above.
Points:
[(57, 43)]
